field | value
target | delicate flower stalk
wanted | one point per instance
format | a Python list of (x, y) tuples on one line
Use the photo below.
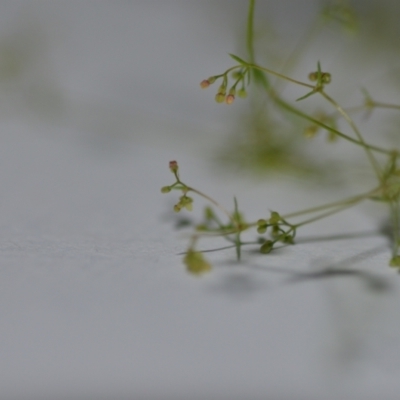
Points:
[(276, 228)]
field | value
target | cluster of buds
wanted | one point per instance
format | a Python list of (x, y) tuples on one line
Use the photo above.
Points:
[(320, 78), (223, 95), (325, 77), (184, 202), (275, 222)]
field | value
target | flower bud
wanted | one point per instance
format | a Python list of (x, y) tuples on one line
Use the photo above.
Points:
[(195, 262), (262, 229), (267, 247), (275, 218), (220, 97), (326, 77), (275, 231), (229, 99), (173, 166), (188, 203), (205, 83), (165, 189), (288, 239), (313, 76)]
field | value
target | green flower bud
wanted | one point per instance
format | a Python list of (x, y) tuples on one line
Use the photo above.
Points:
[(195, 262), (275, 218), (287, 239), (313, 76), (267, 247), (326, 77), (261, 229), (165, 189), (220, 97), (242, 93)]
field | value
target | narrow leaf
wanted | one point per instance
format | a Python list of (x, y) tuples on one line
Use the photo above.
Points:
[(307, 95), (238, 59)]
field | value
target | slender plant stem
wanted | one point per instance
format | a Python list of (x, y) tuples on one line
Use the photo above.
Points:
[(250, 31), (370, 156), (351, 200)]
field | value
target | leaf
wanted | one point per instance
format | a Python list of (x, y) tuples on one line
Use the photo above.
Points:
[(307, 95), (238, 59)]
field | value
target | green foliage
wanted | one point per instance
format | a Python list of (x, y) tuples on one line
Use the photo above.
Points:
[(275, 228)]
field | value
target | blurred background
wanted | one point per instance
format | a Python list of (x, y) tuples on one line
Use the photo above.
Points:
[(127, 72), (95, 98)]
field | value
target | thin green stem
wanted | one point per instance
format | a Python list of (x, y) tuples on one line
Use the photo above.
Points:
[(368, 151), (386, 105), (294, 110), (216, 204), (270, 71), (351, 200), (250, 30)]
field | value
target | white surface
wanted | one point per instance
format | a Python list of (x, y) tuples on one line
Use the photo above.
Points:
[(95, 302)]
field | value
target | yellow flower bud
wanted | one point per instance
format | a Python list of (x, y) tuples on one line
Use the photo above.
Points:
[(165, 189), (220, 97), (195, 262)]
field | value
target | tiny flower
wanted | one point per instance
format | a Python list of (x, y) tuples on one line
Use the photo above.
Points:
[(313, 76), (173, 166), (177, 207), (220, 97), (326, 77), (229, 99), (165, 189), (262, 229), (186, 202), (275, 218), (267, 247), (204, 83), (261, 226)]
